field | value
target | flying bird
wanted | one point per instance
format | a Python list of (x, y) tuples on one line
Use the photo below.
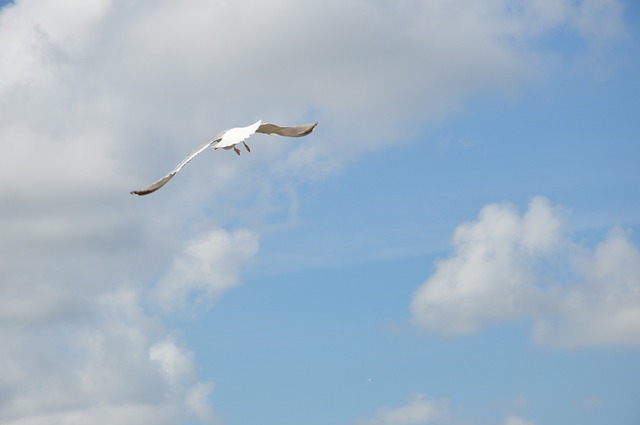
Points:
[(228, 139)]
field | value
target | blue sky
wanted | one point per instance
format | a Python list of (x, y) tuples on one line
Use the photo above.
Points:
[(456, 243)]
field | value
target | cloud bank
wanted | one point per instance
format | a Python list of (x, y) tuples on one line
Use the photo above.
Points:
[(506, 266)]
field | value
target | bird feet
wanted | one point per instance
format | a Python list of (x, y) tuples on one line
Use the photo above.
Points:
[(236, 150), (246, 147)]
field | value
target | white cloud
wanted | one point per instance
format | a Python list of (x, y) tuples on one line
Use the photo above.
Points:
[(419, 410), (88, 84), (603, 307), (117, 366), (505, 266), (489, 276), (176, 363), (198, 402), (209, 266)]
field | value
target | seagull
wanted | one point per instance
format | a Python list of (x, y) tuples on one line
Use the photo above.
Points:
[(228, 139)]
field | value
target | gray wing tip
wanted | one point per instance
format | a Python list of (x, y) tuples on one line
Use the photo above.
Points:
[(154, 186), (307, 128), (313, 126), (143, 192)]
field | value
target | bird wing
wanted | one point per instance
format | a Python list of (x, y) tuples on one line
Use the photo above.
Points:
[(158, 184), (295, 131)]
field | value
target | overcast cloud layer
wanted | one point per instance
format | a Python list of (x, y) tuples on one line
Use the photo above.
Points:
[(101, 97)]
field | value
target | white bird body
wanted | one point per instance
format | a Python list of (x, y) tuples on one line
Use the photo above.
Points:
[(228, 139), (233, 136)]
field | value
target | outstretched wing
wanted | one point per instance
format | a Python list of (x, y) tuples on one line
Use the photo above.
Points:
[(157, 185), (295, 131)]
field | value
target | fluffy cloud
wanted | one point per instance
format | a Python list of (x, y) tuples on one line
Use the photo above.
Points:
[(209, 266), (118, 366), (505, 266), (64, 329), (603, 306), (490, 276)]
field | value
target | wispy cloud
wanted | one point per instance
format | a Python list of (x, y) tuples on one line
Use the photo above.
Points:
[(505, 266), (516, 420), (419, 410), (422, 409)]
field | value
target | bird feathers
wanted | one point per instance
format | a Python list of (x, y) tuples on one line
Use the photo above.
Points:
[(234, 136)]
